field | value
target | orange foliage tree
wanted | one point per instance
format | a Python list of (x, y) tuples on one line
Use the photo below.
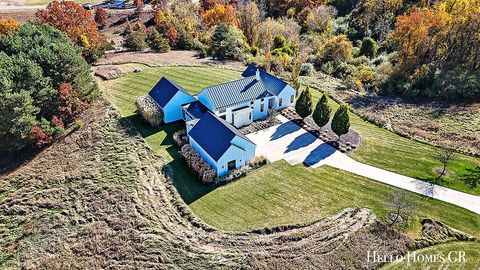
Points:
[(75, 21), (7, 25), (220, 13)]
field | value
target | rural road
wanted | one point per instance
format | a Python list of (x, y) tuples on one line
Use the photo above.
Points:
[(294, 144)]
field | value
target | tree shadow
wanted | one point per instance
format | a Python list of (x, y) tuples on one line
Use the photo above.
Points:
[(284, 129), (318, 154), (301, 141)]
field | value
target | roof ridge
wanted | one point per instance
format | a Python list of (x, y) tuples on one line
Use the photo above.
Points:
[(241, 79), (179, 87)]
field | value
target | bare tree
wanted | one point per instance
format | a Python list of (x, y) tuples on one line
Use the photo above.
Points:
[(445, 156), (400, 206)]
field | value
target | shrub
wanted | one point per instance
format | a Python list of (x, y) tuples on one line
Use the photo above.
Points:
[(369, 47), (307, 69), (156, 42), (178, 138), (39, 138), (135, 41), (149, 110), (254, 50), (279, 42), (78, 124), (258, 162), (202, 170)]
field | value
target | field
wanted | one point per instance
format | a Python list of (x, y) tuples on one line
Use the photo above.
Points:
[(288, 198), (46, 2), (472, 255)]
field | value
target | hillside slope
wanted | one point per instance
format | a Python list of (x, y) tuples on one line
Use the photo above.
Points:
[(98, 199)]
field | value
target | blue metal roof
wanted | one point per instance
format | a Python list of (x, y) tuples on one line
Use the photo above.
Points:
[(273, 84), (196, 109), (164, 91), (236, 92), (214, 135)]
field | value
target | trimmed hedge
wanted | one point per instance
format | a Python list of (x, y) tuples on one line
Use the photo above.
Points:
[(202, 170), (149, 110)]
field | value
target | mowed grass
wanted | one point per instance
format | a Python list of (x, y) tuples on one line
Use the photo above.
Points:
[(280, 193), (472, 257), (387, 150)]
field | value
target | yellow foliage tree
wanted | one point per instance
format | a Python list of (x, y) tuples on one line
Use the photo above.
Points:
[(220, 13), (7, 25)]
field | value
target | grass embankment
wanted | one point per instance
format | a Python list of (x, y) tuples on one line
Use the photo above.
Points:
[(472, 257), (283, 194)]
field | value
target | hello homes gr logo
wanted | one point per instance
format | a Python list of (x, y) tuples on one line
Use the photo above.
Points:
[(457, 256)]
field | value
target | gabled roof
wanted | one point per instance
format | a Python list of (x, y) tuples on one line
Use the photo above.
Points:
[(236, 92), (165, 90), (214, 135), (273, 84), (196, 109)]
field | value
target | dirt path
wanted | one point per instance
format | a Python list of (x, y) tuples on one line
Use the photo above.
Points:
[(98, 199)]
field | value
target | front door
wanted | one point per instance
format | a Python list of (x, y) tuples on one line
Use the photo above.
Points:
[(232, 165)]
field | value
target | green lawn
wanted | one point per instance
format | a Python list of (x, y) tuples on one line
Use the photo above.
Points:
[(284, 194), (472, 257)]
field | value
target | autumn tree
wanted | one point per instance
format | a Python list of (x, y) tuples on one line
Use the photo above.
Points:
[(101, 18), (78, 23), (138, 4), (220, 14), (7, 25), (250, 22), (337, 49)]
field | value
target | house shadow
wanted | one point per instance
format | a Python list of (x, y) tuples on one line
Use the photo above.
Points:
[(186, 183), (318, 154), (301, 141), (283, 130)]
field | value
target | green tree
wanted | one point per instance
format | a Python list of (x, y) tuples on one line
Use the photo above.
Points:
[(472, 177), (341, 120), (135, 41), (17, 117), (156, 42), (53, 52), (227, 42), (369, 47), (321, 114), (279, 42), (304, 105)]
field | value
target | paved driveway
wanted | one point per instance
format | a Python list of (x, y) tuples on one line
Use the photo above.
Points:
[(294, 144)]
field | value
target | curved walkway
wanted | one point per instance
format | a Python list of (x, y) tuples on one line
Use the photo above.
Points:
[(290, 142)]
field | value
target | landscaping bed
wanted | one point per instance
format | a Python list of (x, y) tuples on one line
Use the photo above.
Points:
[(347, 142), (256, 126)]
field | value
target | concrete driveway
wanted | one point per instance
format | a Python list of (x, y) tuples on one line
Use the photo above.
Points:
[(294, 144)]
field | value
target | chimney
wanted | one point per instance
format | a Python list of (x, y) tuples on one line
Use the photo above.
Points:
[(257, 75)]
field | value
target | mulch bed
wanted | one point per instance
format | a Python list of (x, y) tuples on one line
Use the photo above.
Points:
[(348, 142), (261, 124)]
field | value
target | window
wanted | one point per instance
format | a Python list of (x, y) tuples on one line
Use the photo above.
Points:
[(280, 102), (251, 103), (292, 98), (250, 116), (262, 107), (232, 165), (261, 100), (224, 117), (222, 111)]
